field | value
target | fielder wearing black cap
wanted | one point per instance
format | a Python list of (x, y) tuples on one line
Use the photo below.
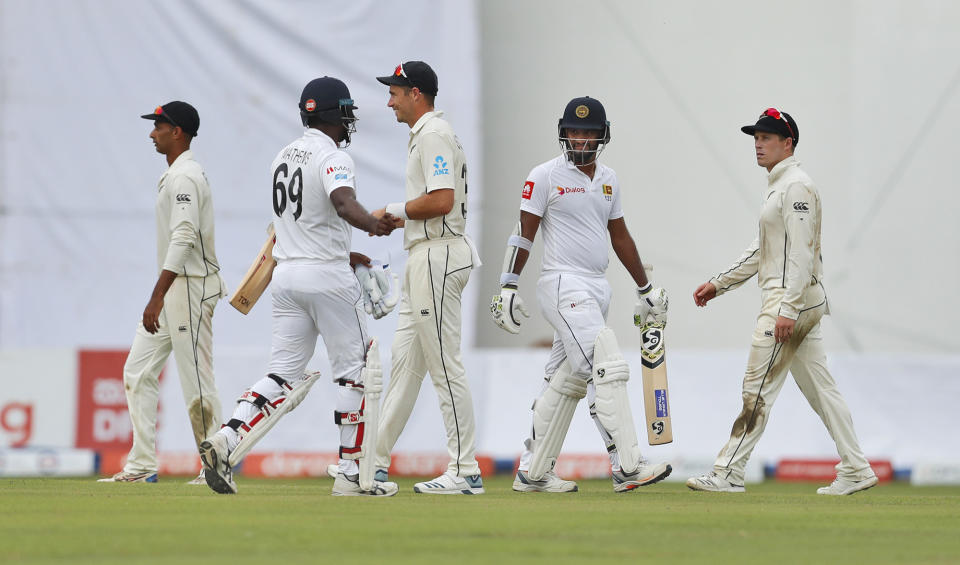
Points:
[(179, 114), (777, 122), (413, 74)]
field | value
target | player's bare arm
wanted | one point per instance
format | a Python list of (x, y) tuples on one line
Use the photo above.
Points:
[(529, 224), (651, 302), (344, 200), (433, 204), (507, 306), (151, 314), (626, 250)]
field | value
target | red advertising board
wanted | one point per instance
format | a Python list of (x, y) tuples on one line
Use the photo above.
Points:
[(102, 419), (823, 470)]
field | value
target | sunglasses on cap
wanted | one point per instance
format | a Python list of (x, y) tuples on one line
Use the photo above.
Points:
[(775, 114), (158, 111)]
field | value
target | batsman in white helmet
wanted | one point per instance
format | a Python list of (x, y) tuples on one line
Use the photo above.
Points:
[(576, 200), (315, 293)]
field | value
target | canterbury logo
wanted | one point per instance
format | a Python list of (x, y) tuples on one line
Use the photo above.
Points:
[(801, 206), (183, 198)]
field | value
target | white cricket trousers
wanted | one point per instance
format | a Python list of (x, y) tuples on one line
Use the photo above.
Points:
[(313, 300), (428, 340), (186, 328), (767, 366), (576, 305)]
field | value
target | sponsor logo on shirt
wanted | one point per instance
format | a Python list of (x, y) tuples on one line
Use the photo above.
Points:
[(570, 189), (801, 206), (608, 192), (340, 176), (440, 167), (340, 168), (183, 198), (527, 190)]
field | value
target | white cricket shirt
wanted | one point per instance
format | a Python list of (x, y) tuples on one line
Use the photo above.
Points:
[(307, 225), (786, 253), (574, 211), (185, 220), (435, 160)]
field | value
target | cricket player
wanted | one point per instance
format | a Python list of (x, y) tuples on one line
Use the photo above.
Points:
[(179, 314), (576, 200), (440, 259), (315, 293), (786, 256)]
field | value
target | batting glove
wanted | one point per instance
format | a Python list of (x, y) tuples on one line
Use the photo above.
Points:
[(375, 282), (505, 308), (652, 303)]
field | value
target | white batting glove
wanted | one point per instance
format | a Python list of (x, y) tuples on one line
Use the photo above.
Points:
[(379, 295), (652, 303), (506, 308)]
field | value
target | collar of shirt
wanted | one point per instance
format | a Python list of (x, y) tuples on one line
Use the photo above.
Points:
[(423, 120), (313, 132), (777, 171), (567, 163), (181, 159)]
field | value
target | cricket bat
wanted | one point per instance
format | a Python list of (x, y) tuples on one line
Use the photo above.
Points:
[(656, 402), (258, 276)]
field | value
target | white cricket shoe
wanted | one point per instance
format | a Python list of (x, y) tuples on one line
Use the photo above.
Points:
[(349, 485), (713, 482), (199, 480), (125, 477), (550, 483), (646, 474), (216, 464), (841, 487), (448, 484)]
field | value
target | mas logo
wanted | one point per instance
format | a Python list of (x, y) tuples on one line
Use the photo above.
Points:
[(527, 190), (440, 167)]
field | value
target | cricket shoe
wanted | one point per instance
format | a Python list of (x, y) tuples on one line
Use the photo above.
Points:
[(199, 480), (125, 477), (712, 482), (381, 475), (841, 487), (216, 464), (349, 485), (448, 484), (646, 474), (550, 483)]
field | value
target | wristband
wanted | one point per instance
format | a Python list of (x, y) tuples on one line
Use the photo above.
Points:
[(398, 209), (643, 292), (509, 278)]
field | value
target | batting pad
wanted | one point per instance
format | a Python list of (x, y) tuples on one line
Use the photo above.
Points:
[(372, 376), (552, 413), (610, 376), (278, 408)]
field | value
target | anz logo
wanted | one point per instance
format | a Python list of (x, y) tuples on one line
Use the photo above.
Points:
[(440, 167)]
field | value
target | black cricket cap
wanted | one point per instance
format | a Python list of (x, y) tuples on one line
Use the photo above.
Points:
[(775, 121), (584, 113), (179, 114), (413, 74)]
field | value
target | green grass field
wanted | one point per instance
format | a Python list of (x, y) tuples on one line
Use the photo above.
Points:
[(297, 521)]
